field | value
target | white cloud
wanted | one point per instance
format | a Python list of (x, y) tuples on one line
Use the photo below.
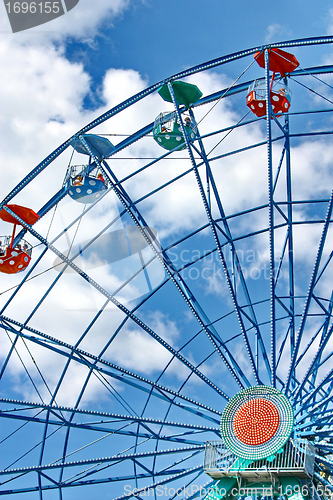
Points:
[(275, 32), (136, 350), (42, 94), (120, 84), (82, 22)]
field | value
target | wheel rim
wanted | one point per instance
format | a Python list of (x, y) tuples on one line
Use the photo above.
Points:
[(201, 338)]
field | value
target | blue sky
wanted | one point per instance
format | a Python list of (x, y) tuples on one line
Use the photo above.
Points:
[(160, 38)]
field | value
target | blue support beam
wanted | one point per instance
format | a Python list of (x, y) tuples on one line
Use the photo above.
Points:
[(140, 95), (231, 242), (58, 410), (120, 306), (123, 375), (310, 293), (216, 239), (290, 236), (181, 286), (270, 220), (173, 476), (322, 480), (313, 365), (104, 430)]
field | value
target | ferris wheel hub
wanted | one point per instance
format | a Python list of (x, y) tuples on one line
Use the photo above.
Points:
[(257, 422)]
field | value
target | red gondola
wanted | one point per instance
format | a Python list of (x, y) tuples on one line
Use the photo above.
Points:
[(280, 96), (281, 62), (15, 258)]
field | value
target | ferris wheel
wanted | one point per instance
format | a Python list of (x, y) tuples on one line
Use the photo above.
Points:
[(166, 304)]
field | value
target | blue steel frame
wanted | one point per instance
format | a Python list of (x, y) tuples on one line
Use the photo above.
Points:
[(311, 399)]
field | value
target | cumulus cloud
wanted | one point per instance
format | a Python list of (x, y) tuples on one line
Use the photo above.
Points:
[(276, 31), (82, 22), (136, 350)]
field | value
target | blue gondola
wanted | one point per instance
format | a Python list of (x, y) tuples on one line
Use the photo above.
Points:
[(86, 183)]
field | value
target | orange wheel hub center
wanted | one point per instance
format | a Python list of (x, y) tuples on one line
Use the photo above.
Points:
[(256, 422)]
